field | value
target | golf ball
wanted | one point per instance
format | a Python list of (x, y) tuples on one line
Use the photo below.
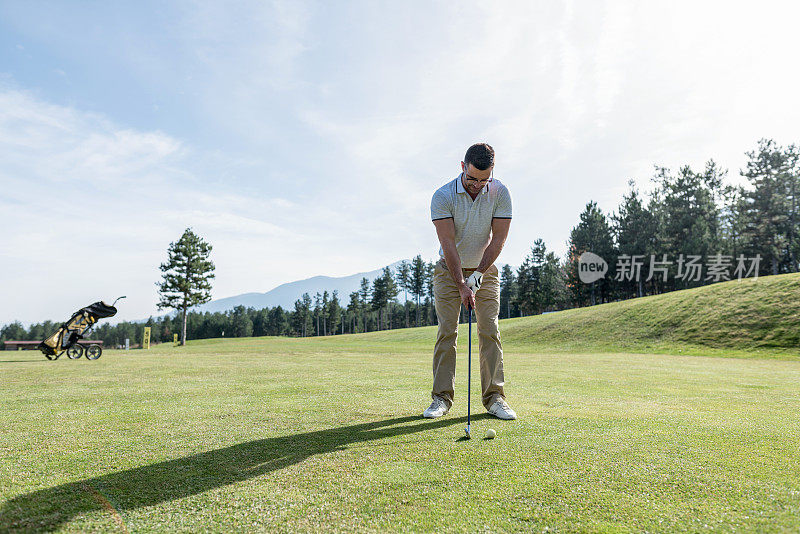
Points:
[(490, 434)]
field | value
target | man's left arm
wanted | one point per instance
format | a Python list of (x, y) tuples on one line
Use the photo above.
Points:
[(499, 234)]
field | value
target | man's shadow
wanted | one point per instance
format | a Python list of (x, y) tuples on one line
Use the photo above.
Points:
[(48, 509)]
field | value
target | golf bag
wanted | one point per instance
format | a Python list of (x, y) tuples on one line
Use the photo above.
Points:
[(67, 336)]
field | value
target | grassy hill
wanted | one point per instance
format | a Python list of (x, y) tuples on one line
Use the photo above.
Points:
[(760, 315), (751, 318), (739, 315)]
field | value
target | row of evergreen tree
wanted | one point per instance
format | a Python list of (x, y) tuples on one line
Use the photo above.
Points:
[(687, 213)]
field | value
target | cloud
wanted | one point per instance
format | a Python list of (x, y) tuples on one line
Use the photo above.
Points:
[(88, 209), (87, 149)]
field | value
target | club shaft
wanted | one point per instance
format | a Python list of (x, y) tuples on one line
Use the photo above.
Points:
[(469, 368)]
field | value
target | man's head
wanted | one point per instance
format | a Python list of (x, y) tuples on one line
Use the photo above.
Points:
[(477, 166)]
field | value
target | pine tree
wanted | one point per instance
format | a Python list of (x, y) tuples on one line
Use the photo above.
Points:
[(378, 298), (592, 234), (14, 332), (301, 315), (277, 323), (792, 178), (187, 276), (508, 291), (689, 221), (636, 235), (554, 283), (317, 312), (334, 312), (733, 223), (417, 282), (404, 281), (531, 295), (771, 211), (390, 291), (353, 308), (364, 295), (325, 312), (241, 324)]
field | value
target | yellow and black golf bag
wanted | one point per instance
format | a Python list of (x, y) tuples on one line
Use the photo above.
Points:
[(70, 333)]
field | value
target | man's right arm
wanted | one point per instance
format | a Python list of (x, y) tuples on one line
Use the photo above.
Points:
[(446, 231)]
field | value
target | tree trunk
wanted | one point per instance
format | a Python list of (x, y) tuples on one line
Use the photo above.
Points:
[(183, 335), (405, 305)]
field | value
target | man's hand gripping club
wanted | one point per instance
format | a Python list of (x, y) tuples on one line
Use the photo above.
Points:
[(468, 289)]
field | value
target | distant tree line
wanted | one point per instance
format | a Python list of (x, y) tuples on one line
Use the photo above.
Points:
[(374, 306), (688, 217)]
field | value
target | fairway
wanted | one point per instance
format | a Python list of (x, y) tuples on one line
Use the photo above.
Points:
[(325, 434)]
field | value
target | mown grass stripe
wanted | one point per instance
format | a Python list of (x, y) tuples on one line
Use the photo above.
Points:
[(106, 504)]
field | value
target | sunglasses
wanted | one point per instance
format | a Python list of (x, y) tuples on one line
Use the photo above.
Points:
[(481, 182)]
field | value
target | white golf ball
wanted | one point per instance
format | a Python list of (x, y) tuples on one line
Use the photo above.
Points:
[(490, 434)]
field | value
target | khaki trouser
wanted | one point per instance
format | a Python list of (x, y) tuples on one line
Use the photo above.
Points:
[(487, 308)]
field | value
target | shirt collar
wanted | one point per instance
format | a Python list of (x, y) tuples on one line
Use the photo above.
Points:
[(460, 186)]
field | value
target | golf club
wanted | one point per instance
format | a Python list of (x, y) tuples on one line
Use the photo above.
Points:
[(469, 372)]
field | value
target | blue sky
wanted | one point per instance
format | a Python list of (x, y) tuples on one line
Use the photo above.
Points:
[(305, 138)]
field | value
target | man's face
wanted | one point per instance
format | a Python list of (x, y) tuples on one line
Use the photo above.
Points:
[(474, 179)]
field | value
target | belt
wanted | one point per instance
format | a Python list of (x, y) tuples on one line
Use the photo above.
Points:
[(444, 264)]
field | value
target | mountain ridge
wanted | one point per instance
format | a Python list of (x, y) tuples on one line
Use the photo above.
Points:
[(287, 293)]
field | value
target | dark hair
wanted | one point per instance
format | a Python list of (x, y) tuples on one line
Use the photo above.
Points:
[(480, 155)]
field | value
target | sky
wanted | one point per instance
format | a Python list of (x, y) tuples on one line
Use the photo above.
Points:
[(306, 138)]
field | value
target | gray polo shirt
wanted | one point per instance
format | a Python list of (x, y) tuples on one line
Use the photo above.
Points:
[(472, 219)]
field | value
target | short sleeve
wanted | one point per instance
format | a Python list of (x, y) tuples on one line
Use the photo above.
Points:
[(441, 207), (502, 208)]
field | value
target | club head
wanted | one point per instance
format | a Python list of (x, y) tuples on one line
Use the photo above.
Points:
[(467, 432)]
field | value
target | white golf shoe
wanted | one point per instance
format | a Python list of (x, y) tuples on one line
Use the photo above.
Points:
[(502, 410), (437, 409)]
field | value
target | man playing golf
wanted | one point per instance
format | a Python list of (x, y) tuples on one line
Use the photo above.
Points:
[(472, 215)]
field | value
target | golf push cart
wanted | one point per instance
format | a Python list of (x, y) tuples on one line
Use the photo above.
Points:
[(70, 333)]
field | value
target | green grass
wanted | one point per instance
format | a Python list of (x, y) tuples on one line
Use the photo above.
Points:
[(274, 434)]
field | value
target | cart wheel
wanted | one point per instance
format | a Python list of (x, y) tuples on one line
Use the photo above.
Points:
[(75, 352), (93, 352)]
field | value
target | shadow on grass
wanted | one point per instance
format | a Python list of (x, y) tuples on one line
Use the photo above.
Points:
[(49, 509)]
